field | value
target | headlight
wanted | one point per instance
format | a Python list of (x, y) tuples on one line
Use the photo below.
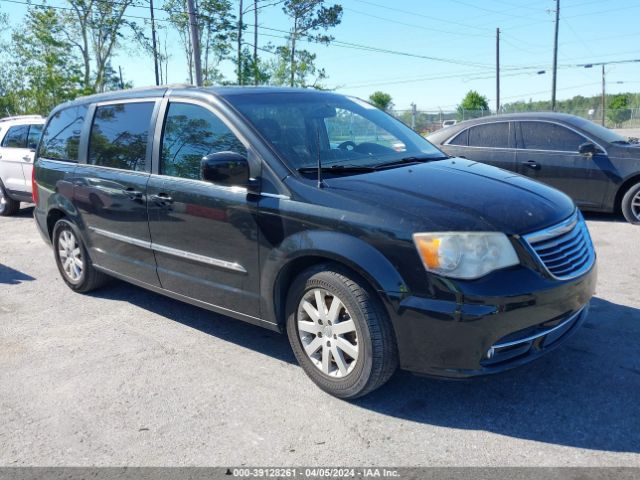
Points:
[(465, 254)]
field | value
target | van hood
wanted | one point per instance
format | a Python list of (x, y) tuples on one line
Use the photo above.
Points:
[(457, 195)]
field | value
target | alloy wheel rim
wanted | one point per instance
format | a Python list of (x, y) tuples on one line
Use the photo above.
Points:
[(635, 205), (3, 201), (70, 256), (328, 333)]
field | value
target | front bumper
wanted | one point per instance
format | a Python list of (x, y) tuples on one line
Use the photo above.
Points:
[(484, 333)]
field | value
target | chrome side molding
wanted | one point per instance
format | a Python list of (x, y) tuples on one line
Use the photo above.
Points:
[(216, 262)]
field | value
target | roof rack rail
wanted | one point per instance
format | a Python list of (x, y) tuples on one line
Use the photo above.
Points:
[(20, 117)]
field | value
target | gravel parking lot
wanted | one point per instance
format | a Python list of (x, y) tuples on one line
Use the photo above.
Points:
[(127, 377)]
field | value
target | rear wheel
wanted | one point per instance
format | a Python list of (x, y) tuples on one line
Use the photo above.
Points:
[(73, 262), (631, 204), (8, 206), (339, 332)]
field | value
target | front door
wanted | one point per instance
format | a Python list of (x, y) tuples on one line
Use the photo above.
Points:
[(548, 152), (110, 189), (204, 235)]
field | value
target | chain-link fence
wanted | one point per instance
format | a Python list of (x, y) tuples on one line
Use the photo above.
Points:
[(425, 121)]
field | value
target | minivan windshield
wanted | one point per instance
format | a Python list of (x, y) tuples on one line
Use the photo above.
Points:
[(342, 132)]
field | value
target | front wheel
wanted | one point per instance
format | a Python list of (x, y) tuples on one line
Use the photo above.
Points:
[(339, 332), (631, 205), (73, 262)]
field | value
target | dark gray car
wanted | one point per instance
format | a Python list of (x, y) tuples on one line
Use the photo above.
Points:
[(595, 166)]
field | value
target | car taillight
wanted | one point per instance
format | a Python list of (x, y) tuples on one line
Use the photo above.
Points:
[(34, 186)]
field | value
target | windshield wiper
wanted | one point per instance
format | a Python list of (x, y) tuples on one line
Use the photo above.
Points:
[(408, 160), (621, 142), (338, 169)]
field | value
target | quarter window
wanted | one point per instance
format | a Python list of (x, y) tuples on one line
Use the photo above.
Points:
[(16, 137), (493, 135), (460, 139), (120, 135), (61, 137), (190, 133), (549, 136)]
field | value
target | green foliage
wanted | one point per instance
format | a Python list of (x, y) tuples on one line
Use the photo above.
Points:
[(306, 74), (43, 71), (619, 110), (472, 105), (311, 20), (381, 100)]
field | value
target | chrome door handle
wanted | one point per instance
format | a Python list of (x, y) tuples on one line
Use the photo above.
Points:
[(532, 164), (27, 158), (133, 194)]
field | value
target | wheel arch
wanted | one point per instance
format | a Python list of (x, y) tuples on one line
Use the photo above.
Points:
[(350, 253), (624, 188)]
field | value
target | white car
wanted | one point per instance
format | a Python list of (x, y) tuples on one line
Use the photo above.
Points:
[(19, 137)]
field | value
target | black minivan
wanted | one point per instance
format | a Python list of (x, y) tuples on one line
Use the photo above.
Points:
[(317, 214)]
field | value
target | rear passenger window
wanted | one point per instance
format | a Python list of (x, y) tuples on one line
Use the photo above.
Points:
[(549, 136), (120, 135), (61, 137), (190, 133), (460, 139), (494, 135), (16, 137)]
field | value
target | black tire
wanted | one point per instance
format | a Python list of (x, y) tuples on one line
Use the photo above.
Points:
[(8, 206), (377, 357), (631, 204), (89, 278)]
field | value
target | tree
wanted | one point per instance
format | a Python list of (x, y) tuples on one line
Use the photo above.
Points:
[(473, 105), (619, 110), (308, 17), (381, 100), (45, 70), (95, 28), (217, 32), (306, 74)]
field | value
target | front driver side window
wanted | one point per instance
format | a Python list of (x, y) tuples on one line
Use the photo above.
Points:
[(549, 136), (190, 133)]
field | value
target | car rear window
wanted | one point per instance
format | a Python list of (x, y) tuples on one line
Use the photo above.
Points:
[(120, 135), (61, 137), (494, 135)]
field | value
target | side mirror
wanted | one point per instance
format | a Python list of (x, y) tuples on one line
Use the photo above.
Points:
[(588, 149), (225, 168)]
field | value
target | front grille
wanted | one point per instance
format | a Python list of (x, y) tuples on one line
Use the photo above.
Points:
[(565, 249)]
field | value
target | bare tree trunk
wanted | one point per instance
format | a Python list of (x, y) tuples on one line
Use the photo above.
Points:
[(293, 52), (255, 43), (240, 43)]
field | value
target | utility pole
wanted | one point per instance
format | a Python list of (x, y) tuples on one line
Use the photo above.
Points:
[(603, 93), (497, 71), (153, 42), (193, 24), (240, 13), (121, 82), (555, 58)]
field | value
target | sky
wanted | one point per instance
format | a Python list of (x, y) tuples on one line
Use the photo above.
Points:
[(434, 52)]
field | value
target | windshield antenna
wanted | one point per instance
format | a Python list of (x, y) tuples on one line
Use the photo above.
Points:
[(320, 182)]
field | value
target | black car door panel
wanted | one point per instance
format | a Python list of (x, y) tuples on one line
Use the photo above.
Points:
[(110, 189), (204, 235)]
